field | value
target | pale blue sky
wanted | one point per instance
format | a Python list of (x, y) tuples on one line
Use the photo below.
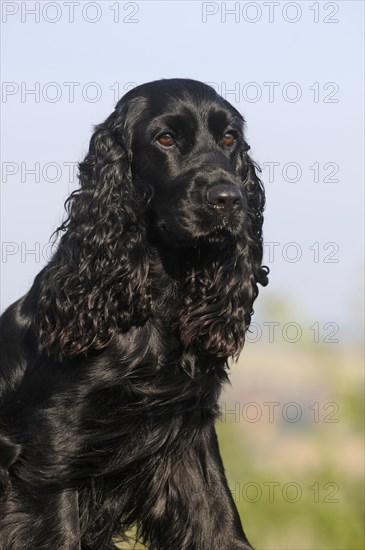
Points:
[(322, 130)]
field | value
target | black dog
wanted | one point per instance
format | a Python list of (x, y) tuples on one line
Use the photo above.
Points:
[(113, 363)]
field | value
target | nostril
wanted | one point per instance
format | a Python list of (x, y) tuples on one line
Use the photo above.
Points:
[(225, 197)]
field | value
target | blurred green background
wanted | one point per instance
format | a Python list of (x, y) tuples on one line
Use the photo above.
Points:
[(298, 484)]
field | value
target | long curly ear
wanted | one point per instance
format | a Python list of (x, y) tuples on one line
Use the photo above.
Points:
[(97, 282), (220, 296), (251, 250)]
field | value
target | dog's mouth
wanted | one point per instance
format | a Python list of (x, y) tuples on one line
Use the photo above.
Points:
[(225, 226), (221, 236), (221, 225), (219, 233)]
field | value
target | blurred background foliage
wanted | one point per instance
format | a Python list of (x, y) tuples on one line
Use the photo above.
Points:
[(298, 485)]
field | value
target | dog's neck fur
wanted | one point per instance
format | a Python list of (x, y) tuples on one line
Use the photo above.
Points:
[(189, 288)]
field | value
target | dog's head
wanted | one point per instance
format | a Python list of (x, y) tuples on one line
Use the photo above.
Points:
[(168, 166), (187, 145)]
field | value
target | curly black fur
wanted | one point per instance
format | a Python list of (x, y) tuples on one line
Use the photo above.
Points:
[(113, 362)]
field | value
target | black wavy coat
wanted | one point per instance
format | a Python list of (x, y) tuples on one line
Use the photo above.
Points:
[(113, 363)]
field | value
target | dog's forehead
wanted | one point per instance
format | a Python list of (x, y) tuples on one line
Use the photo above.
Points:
[(176, 95), (189, 111), (178, 88), (188, 101)]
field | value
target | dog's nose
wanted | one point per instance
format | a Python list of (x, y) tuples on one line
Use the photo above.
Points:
[(225, 197)]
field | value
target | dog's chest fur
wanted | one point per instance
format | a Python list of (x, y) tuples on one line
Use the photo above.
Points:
[(123, 409)]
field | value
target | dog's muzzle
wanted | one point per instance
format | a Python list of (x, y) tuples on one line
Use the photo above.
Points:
[(224, 198)]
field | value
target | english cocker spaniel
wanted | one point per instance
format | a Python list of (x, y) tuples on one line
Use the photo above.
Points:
[(113, 363)]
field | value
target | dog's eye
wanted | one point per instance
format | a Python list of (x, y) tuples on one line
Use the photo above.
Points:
[(229, 138), (166, 139)]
